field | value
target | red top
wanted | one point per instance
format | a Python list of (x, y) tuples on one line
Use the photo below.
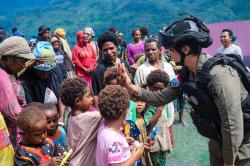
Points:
[(83, 55)]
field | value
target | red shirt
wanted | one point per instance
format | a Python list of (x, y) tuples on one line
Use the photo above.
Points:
[(84, 56)]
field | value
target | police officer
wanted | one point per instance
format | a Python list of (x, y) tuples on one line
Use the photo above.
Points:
[(216, 103)]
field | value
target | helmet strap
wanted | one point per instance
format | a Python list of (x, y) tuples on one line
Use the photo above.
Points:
[(183, 56)]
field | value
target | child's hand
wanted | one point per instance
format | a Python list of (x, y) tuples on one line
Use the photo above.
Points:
[(58, 159), (149, 141), (147, 146), (60, 149), (130, 140), (137, 152)]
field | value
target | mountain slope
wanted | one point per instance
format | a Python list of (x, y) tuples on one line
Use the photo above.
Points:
[(74, 15)]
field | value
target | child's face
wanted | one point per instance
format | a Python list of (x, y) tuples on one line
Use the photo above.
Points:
[(140, 106), (86, 102), (158, 86), (113, 82), (37, 134), (56, 45), (52, 117)]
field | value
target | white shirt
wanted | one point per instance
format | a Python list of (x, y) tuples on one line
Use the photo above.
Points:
[(232, 49)]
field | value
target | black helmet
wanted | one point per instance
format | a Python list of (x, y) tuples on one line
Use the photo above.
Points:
[(188, 29)]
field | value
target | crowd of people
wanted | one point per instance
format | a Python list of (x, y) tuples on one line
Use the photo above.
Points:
[(106, 102)]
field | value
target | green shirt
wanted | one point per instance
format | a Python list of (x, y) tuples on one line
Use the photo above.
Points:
[(131, 114)]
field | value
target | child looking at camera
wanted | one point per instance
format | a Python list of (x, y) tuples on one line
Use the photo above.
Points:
[(54, 132), (35, 148), (159, 120)]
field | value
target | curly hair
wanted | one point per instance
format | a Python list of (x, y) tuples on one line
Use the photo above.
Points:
[(35, 104), (157, 76), (110, 74), (144, 31), (71, 89), (113, 101), (48, 107), (28, 117), (107, 37)]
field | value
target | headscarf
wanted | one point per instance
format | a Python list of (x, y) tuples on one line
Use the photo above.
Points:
[(45, 56), (60, 32), (79, 37), (90, 31)]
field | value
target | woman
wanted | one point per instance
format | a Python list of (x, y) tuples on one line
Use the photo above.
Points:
[(15, 53), (84, 57), (136, 49)]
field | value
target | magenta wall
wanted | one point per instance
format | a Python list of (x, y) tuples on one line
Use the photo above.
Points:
[(240, 28)]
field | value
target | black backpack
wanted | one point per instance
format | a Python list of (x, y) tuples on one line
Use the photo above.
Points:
[(235, 62)]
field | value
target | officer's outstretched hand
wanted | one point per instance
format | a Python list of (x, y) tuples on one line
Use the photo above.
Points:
[(125, 81)]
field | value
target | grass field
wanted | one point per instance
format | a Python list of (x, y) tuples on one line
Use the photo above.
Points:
[(190, 148)]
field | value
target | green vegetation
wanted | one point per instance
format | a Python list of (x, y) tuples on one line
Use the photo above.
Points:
[(190, 149), (74, 15)]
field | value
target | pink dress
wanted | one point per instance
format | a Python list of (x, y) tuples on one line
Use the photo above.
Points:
[(112, 147)]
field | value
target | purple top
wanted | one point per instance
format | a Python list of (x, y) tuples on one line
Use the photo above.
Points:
[(134, 50)]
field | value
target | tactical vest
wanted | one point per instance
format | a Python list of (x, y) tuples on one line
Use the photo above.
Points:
[(204, 112)]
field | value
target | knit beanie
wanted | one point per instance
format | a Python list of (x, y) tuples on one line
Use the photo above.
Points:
[(16, 46)]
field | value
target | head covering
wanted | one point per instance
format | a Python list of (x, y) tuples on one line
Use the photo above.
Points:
[(18, 33), (90, 31), (187, 29), (16, 46), (107, 37), (45, 56), (60, 32), (42, 29), (54, 39), (79, 37), (32, 40)]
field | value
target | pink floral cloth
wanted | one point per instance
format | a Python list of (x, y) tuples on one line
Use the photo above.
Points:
[(9, 106)]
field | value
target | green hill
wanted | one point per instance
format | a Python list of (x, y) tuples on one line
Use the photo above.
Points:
[(123, 14)]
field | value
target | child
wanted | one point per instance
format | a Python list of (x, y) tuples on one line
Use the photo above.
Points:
[(111, 77), (60, 55), (140, 107), (55, 133), (83, 123), (159, 120), (35, 148), (112, 147)]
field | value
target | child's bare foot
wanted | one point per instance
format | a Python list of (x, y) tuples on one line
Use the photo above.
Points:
[(183, 122)]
